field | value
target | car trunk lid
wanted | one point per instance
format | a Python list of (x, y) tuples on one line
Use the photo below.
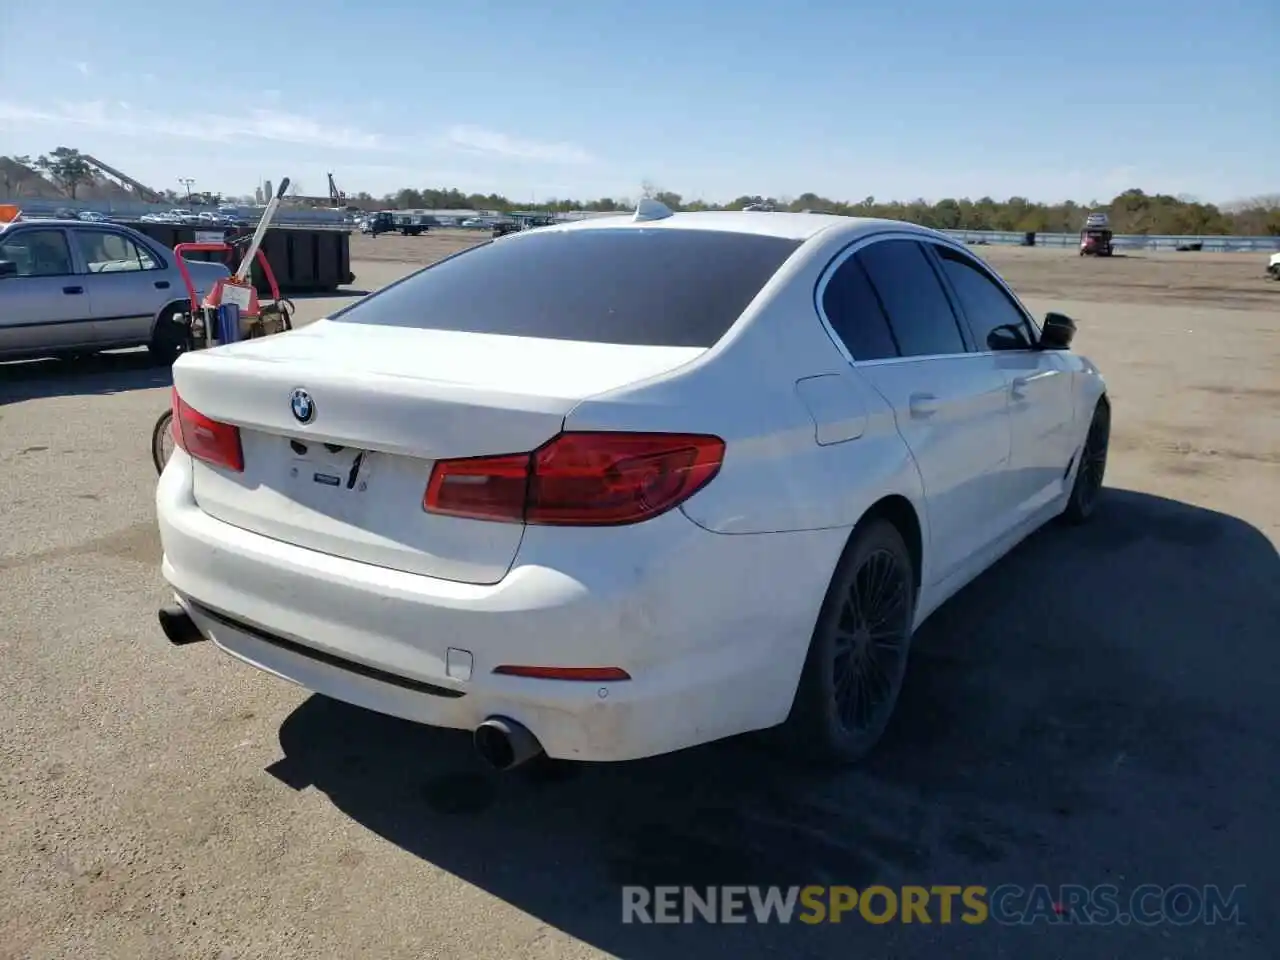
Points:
[(347, 477)]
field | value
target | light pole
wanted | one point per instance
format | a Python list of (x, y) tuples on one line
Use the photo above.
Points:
[(187, 182)]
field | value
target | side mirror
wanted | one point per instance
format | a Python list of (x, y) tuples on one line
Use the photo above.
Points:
[(1057, 332), (1008, 336), (8, 269)]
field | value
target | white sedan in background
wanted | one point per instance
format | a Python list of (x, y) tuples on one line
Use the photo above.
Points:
[(617, 487)]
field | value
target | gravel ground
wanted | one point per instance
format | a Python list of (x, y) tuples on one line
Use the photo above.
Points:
[(1100, 708)]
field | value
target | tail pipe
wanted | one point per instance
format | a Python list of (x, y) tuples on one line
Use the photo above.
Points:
[(178, 625), (506, 744)]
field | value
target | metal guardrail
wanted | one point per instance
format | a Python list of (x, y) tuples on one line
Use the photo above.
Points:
[(1210, 244)]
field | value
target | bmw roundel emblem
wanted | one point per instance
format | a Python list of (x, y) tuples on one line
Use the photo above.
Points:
[(304, 408)]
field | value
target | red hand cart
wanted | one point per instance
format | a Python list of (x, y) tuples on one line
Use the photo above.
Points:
[(202, 326)]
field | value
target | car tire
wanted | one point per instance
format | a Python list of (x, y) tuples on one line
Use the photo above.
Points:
[(1091, 471), (169, 338), (847, 660)]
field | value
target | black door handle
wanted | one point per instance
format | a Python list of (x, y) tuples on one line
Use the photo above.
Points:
[(73, 290), (162, 284)]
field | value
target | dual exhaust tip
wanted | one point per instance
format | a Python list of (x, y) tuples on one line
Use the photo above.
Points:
[(503, 743)]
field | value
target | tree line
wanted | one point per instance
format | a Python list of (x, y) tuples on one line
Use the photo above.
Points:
[(1131, 212)]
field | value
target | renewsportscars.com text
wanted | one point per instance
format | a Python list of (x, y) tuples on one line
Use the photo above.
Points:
[(1008, 904)]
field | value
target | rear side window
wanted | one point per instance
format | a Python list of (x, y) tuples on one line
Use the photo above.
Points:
[(854, 312), (106, 252), (919, 312), (635, 286)]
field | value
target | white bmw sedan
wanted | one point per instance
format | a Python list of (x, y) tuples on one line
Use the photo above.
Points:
[(617, 487)]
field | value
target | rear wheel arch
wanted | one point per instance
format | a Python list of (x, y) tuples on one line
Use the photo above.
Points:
[(168, 335), (177, 305), (900, 512)]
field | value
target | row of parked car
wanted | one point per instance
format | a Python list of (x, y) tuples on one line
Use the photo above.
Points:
[(224, 217)]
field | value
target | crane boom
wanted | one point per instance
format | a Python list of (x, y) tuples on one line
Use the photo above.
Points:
[(144, 192), (336, 196)]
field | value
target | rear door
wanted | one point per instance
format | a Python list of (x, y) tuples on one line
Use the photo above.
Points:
[(46, 307), (950, 403), (1041, 411), (128, 286)]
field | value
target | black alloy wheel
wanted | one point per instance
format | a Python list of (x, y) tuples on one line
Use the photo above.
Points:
[(1093, 467), (870, 644), (857, 658)]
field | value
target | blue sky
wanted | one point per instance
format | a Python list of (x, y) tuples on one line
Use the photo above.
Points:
[(895, 100)]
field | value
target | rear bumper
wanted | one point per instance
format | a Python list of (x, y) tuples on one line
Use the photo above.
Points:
[(712, 629)]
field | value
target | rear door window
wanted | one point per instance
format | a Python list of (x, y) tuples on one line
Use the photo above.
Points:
[(919, 312), (853, 310), (109, 252), (635, 286)]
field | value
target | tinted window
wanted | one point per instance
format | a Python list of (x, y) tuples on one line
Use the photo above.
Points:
[(38, 253), (661, 286), (855, 315), (995, 320), (919, 311)]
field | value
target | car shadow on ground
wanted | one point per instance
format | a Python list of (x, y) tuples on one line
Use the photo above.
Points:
[(100, 373), (1093, 709)]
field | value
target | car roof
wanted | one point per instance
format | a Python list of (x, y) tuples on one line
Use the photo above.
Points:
[(41, 222), (789, 226), (64, 222)]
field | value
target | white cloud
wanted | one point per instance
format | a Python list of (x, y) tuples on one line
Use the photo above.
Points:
[(83, 68), (478, 140), (273, 125), (119, 118)]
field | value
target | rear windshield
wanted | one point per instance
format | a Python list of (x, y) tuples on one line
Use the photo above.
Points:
[(635, 286)]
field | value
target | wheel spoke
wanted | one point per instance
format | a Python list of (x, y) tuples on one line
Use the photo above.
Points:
[(890, 606), (884, 580), (851, 610)]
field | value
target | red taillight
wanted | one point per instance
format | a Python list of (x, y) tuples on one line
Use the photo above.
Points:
[(581, 674), (578, 479), (206, 439)]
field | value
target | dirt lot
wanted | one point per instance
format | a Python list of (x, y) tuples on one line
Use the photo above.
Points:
[(1100, 708)]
